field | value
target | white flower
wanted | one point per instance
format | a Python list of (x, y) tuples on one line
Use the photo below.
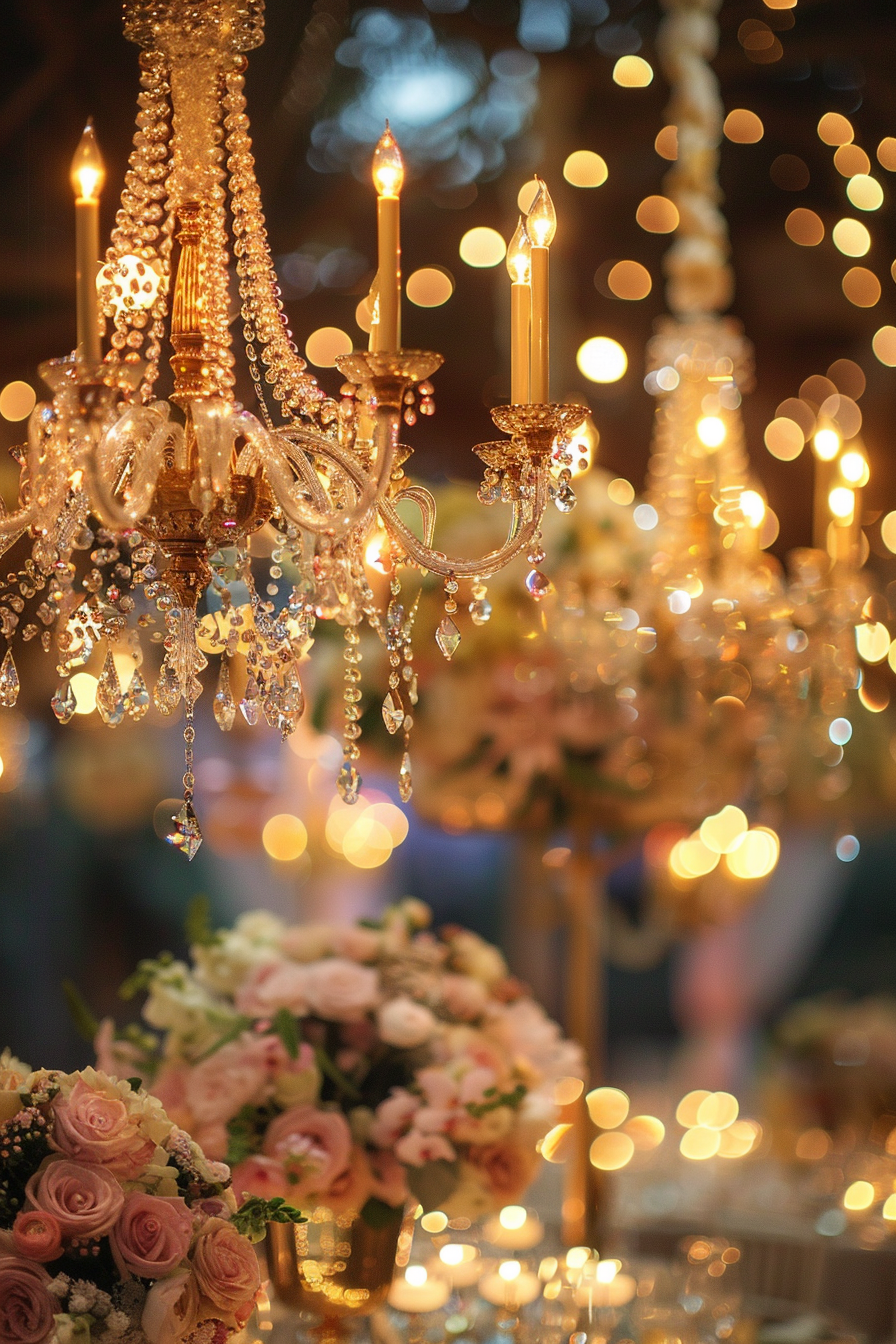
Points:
[(260, 926), (179, 1004), (117, 1323), (404, 1023), (158, 1321)]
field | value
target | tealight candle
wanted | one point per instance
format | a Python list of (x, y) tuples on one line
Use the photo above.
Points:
[(459, 1263), (418, 1292), (88, 175), (514, 1229), (510, 1293)]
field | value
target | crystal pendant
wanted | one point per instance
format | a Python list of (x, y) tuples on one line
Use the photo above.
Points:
[(565, 499), (166, 695), (270, 704), (249, 705), (109, 699), (405, 783), (185, 834), (225, 706), (63, 702), (448, 637), (393, 712), (9, 682), (348, 782), (538, 584), (480, 610), (292, 704), (136, 697)]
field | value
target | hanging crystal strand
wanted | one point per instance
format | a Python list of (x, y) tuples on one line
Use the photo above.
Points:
[(9, 681), (109, 699), (538, 585), (224, 706), (185, 834), (480, 608), (447, 634), (348, 781), (393, 708)]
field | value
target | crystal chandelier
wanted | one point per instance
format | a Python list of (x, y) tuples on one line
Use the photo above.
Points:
[(132, 505)]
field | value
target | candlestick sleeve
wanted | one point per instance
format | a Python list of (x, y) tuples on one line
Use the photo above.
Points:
[(388, 331), (87, 249), (539, 374), (520, 318)]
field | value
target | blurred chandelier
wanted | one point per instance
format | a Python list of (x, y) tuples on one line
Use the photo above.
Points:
[(166, 504)]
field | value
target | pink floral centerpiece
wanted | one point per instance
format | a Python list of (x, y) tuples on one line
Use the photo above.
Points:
[(113, 1224), (349, 1068)]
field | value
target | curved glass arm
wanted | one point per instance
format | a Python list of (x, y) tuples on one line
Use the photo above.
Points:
[(524, 526), (128, 458)]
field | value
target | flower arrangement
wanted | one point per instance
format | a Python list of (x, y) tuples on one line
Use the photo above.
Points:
[(114, 1226), (350, 1067)]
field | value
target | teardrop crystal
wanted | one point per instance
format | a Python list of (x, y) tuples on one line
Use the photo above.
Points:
[(9, 682), (565, 499), (109, 699), (250, 707), (348, 782), (63, 702), (538, 584), (447, 637), (405, 783), (480, 610), (185, 834), (225, 705), (393, 712), (166, 695), (136, 697)]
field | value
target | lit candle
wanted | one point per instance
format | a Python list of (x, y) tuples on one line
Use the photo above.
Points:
[(88, 174), (511, 1287), (417, 1291), (388, 175), (459, 1263), (519, 266), (541, 225), (514, 1229)]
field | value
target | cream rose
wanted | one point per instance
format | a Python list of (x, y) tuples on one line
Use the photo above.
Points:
[(341, 990), (404, 1023), (271, 986), (85, 1199), (95, 1124), (225, 1268)]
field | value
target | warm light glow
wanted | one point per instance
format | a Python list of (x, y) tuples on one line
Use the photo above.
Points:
[(756, 855), (284, 837), (752, 506), (17, 401), (607, 1106), (834, 129), (717, 1111), (577, 1257), (691, 858), (889, 1209), (416, 1275), (865, 192), (429, 287), (325, 345), (482, 247), (804, 227), (645, 1132), (456, 1252), (510, 1270), (512, 1217), (388, 165), (851, 238), (541, 221), (567, 1091), (850, 160), (861, 287), (739, 1139), (886, 153), (826, 444), (872, 641), (858, 1196), (434, 1223), (584, 168), (699, 1144), (84, 690), (666, 143), (629, 280), (813, 1145), (392, 817), (743, 127), (605, 1271), (612, 1151), (711, 431), (621, 491), (784, 439), (687, 1108), (632, 72), (657, 214), (723, 831), (602, 359), (888, 531), (853, 467), (883, 344), (842, 502), (519, 255), (129, 284), (552, 1141), (88, 172)]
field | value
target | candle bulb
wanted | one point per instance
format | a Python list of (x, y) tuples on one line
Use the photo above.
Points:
[(541, 225), (87, 175), (388, 175), (520, 268)]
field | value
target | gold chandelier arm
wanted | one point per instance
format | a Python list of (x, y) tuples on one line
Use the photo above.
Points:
[(524, 525)]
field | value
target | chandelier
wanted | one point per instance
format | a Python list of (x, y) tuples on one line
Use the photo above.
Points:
[(140, 510)]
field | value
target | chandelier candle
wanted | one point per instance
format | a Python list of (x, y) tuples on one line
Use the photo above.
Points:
[(88, 174), (541, 225), (519, 266), (388, 175)]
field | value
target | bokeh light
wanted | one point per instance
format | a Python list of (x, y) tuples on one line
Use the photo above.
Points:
[(17, 401), (784, 439), (429, 287), (698, 1144), (666, 143), (584, 168), (850, 160), (611, 1152), (645, 1131), (804, 227), (861, 287), (622, 491), (743, 127), (284, 837), (756, 855), (482, 247), (851, 237), (602, 359), (717, 1111), (886, 153), (859, 1195), (629, 280), (723, 831), (84, 690), (325, 345), (847, 848), (607, 1106), (883, 344), (657, 214), (835, 129), (633, 72), (865, 192)]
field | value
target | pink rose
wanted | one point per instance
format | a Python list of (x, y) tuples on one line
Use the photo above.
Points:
[(393, 1116), (416, 1148), (85, 1199), (37, 1236), (262, 1176), (464, 997), (439, 1088), (356, 943), (152, 1235), (26, 1308), (508, 1169), (307, 942), (388, 1178), (314, 1147), (404, 1023), (228, 1080), (271, 986), (225, 1268), (341, 990), (96, 1126), (169, 1087), (352, 1187)]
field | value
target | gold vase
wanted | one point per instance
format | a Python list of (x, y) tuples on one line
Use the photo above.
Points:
[(335, 1265)]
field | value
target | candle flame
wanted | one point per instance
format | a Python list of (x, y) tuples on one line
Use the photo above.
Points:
[(519, 254), (541, 221), (88, 172), (388, 165)]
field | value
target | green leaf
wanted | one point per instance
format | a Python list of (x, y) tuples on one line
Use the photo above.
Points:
[(377, 1213), (142, 978), (335, 1075), (287, 1029), (433, 1183), (86, 1024), (136, 1083), (198, 922), (251, 1220), (246, 1131)]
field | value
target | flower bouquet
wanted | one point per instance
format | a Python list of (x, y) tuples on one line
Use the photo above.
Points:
[(349, 1068), (113, 1224)]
